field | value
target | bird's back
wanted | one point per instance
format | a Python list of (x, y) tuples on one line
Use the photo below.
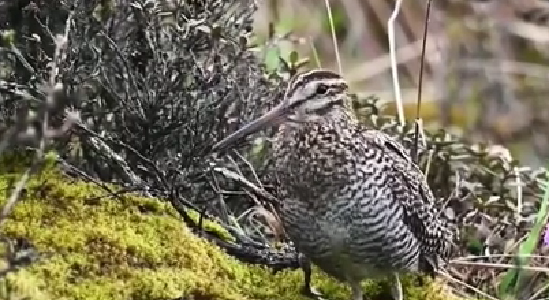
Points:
[(354, 200)]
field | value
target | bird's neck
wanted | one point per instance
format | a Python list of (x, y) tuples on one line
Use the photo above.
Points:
[(301, 136), (342, 115)]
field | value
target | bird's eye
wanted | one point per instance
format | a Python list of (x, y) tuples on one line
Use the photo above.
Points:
[(321, 89)]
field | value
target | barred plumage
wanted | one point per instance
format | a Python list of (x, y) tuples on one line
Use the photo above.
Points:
[(353, 201)]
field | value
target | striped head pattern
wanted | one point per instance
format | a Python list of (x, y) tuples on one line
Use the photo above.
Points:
[(313, 95)]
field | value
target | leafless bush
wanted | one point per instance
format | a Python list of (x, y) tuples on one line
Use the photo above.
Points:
[(149, 88)]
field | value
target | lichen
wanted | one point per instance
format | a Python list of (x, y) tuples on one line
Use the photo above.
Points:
[(93, 246)]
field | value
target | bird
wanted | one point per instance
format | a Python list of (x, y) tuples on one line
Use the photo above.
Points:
[(352, 199)]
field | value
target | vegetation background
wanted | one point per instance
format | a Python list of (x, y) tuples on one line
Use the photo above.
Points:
[(485, 61), (108, 109)]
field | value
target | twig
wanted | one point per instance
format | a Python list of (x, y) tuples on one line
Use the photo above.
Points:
[(466, 258), (233, 175), (224, 210), (98, 142), (518, 181), (251, 168)]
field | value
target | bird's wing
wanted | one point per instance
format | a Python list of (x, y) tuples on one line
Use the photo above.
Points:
[(417, 200), (402, 165)]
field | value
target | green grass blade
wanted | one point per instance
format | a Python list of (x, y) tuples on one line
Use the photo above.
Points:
[(510, 286)]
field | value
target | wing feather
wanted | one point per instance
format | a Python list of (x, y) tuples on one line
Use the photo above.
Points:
[(421, 214)]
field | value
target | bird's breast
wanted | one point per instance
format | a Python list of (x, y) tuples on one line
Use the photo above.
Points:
[(313, 163), (346, 238)]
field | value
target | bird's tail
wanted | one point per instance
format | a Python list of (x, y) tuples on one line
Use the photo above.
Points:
[(440, 244)]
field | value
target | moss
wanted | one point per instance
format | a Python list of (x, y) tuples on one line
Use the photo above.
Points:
[(97, 247)]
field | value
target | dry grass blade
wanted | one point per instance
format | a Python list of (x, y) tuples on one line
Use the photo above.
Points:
[(394, 69), (468, 286), (334, 38), (470, 257), (499, 266)]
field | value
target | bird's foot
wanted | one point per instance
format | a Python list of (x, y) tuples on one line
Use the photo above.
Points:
[(311, 292), (356, 290), (396, 288), (308, 290)]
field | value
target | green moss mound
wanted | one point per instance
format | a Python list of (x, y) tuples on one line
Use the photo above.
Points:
[(97, 247)]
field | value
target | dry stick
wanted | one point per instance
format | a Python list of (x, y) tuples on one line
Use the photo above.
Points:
[(235, 176), (499, 266), (418, 126), (251, 168)]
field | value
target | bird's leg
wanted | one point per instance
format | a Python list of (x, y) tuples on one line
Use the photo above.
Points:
[(307, 289), (396, 287), (356, 289)]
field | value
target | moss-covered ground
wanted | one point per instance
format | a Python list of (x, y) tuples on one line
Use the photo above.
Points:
[(95, 247)]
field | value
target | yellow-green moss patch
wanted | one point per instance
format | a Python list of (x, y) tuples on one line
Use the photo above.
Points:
[(98, 247)]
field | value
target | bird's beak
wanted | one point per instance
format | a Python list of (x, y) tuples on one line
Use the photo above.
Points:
[(274, 117)]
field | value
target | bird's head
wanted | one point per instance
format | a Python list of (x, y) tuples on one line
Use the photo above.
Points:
[(311, 97)]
